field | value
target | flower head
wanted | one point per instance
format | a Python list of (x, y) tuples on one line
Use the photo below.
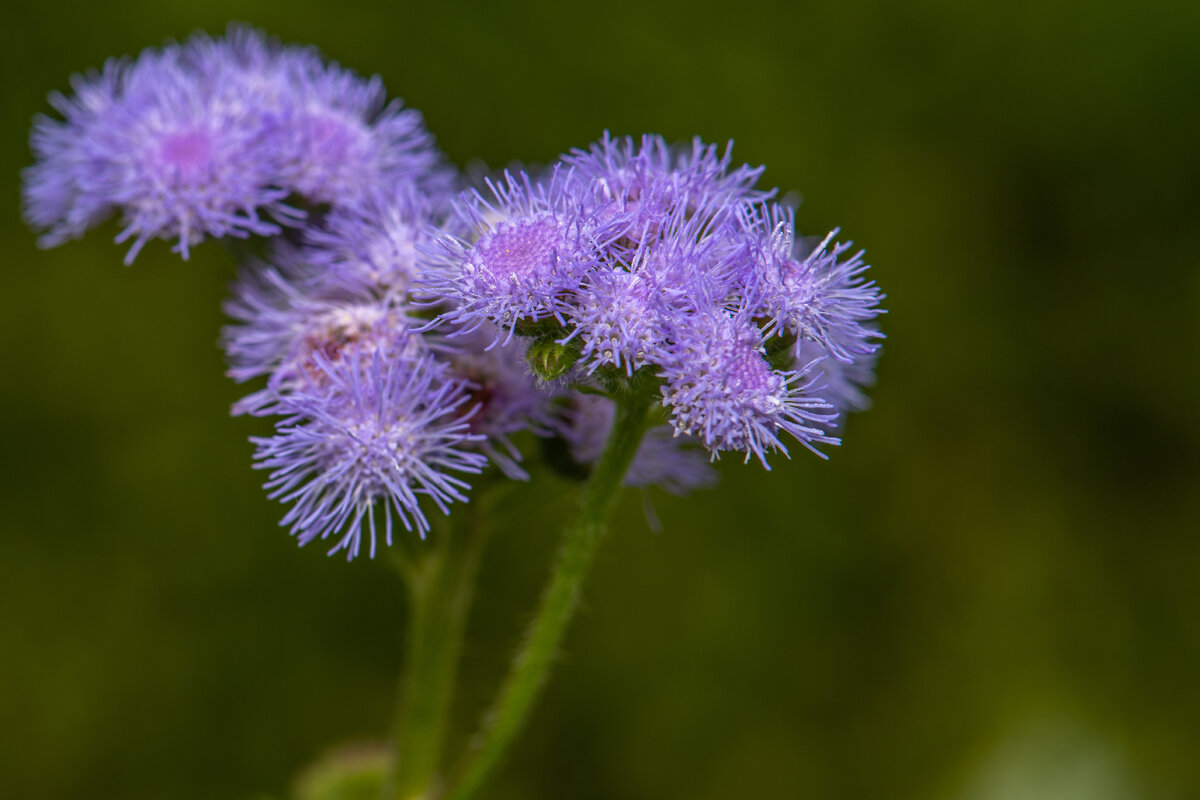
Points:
[(648, 181), (208, 138), (520, 259), (284, 327), (814, 293), (149, 138), (336, 136), (641, 258), (385, 430), (721, 388), (371, 248)]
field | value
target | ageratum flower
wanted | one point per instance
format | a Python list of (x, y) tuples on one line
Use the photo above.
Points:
[(207, 139), (372, 248), (816, 294), (287, 318), (623, 306), (384, 431), (720, 388), (148, 138), (520, 258), (647, 183), (672, 263), (52, 196), (336, 137)]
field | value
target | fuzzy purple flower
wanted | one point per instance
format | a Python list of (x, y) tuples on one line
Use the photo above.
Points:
[(150, 139), (721, 389), (53, 197), (624, 305), (647, 182), (336, 138), (523, 255), (284, 328), (372, 248), (814, 293), (643, 257), (208, 139), (385, 431)]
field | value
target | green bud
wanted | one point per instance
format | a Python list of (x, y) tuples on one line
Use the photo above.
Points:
[(355, 772), (549, 360)]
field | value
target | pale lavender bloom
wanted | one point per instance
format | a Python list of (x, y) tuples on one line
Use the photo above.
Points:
[(341, 139), (385, 430), (337, 138), (680, 266), (623, 305), (816, 294), (676, 464), (646, 182), (372, 248), (207, 139), (345, 286), (618, 318), (521, 258), (148, 138), (284, 327), (53, 199), (721, 389)]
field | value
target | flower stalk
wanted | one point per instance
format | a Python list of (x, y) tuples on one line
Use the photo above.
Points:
[(530, 668), (441, 584)]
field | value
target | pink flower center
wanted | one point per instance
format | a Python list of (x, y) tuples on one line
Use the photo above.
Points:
[(520, 248), (189, 152), (746, 369)]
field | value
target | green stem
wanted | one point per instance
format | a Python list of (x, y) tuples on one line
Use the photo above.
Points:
[(441, 584), (530, 668)]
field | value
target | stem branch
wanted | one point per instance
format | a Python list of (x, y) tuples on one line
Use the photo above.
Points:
[(529, 670), (441, 585)]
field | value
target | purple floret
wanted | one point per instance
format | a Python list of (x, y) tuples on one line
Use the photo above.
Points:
[(209, 138), (527, 251), (647, 182), (284, 326), (52, 197), (385, 430), (816, 294), (337, 138), (372, 248), (342, 140), (151, 140), (721, 389)]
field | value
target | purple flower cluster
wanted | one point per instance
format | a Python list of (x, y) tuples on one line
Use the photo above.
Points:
[(642, 257), (405, 338), (374, 410), (214, 137)]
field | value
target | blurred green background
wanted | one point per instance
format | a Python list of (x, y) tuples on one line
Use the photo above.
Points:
[(990, 592)]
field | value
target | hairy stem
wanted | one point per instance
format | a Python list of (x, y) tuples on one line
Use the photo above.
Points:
[(529, 670), (441, 584)]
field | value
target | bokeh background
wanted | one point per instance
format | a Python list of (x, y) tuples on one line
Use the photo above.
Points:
[(990, 592)]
